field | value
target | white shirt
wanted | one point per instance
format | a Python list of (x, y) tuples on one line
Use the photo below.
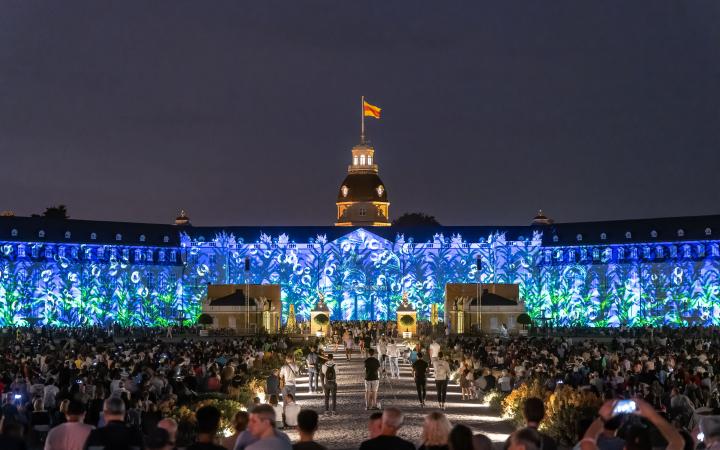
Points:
[(291, 413), (289, 372), (442, 369), (68, 436), (434, 350), (392, 350)]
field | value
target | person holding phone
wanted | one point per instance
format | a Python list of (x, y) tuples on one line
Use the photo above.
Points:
[(638, 437)]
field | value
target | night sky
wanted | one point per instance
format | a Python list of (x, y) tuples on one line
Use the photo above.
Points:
[(244, 113)]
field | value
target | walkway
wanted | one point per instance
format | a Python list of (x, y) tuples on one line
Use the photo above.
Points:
[(349, 427)]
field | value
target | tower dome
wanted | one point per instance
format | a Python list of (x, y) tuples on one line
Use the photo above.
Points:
[(362, 199)]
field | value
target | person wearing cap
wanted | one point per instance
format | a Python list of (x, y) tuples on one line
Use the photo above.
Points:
[(72, 434), (115, 435)]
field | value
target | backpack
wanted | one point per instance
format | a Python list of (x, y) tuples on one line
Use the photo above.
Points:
[(330, 373)]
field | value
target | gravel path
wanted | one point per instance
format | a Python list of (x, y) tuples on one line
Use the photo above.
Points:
[(348, 428)]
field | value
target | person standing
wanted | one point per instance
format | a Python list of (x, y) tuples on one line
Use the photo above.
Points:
[(289, 372), (307, 426), (348, 340), (393, 355), (312, 365), (72, 434), (392, 420), (419, 368), (434, 350), (329, 372), (372, 380), (442, 372), (115, 434), (261, 427)]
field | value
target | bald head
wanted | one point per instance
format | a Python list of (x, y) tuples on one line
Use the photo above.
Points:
[(170, 426), (392, 420)]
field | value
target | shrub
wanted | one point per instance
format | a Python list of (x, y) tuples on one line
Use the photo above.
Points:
[(407, 320), (564, 409), (322, 319)]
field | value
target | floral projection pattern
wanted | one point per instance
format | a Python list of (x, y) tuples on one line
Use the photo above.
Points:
[(362, 276)]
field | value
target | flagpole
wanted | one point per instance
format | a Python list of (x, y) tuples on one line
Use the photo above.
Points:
[(362, 119)]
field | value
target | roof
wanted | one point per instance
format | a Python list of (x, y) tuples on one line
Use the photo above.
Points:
[(41, 229), (237, 298), (490, 299), (362, 187)]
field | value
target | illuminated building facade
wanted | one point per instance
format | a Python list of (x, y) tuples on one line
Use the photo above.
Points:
[(637, 272)]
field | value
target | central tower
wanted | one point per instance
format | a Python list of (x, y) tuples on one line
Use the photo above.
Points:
[(362, 199)]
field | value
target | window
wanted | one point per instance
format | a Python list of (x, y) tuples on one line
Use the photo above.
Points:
[(118, 237), (578, 237), (13, 233), (166, 239), (355, 160), (93, 236), (380, 189), (708, 231), (653, 234), (142, 238), (363, 212), (628, 235), (681, 232), (555, 238), (344, 191), (41, 233), (67, 235), (603, 236), (362, 160), (369, 160)]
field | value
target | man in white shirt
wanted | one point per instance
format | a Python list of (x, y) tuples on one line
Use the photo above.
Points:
[(72, 434), (505, 382), (289, 373), (393, 355), (291, 411), (434, 350), (442, 372)]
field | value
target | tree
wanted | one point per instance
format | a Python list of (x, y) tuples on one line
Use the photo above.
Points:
[(322, 320), (407, 320), (416, 219), (524, 319), (205, 319), (56, 212)]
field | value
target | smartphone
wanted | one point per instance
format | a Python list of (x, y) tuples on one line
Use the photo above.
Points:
[(18, 396), (624, 407), (700, 436)]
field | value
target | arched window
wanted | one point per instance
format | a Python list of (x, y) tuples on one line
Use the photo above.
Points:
[(41, 233), (142, 238), (13, 233), (578, 237), (67, 235), (603, 236), (93, 236), (681, 232), (362, 160), (355, 160), (628, 235), (369, 160), (118, 237), (653, 234), (166, 239), (555, 238), (363, 212), (708, 231)]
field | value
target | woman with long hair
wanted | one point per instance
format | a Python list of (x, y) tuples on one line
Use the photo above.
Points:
[(436, 429)]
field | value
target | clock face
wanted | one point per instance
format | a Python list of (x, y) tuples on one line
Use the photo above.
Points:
[(344, 191), (380, 189)]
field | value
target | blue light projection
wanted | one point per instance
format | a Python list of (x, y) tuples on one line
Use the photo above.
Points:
[(362, 276)]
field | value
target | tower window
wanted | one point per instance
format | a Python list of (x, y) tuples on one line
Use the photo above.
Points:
[(355, 160), (345, 191), (362, 160), (363, 212), (369, 160)]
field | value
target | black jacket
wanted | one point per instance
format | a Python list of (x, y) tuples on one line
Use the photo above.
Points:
[(114, 436)]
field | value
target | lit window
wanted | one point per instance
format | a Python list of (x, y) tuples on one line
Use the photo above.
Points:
[(93, 236), (118, 237), (345, 191), (166, 239), (578, 237), (362, 160), (67, 235), (603, 236), (555, 238), (628, 235), (41, 234), (355, 160), (363, 212), (369, 160), (653, 234), (681, 232), (142, 238), (380, 189), (13, 233), (708, 231)]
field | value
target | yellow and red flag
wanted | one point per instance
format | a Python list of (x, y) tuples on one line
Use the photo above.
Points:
[(371, 110)]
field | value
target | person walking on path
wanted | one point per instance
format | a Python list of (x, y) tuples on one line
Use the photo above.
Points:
[(419, 368), (289, 373), (393, 355), (312, 366), (329, 372), (442, 372), (372, 380)]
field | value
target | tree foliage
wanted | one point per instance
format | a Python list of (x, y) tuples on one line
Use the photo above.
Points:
[(56, 212), (416, 219), (205, 319)]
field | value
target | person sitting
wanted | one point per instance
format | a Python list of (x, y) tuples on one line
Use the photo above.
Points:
[(436, 429), (534, 412), (208, 423), (291, 411), (274, 403), (239, 424)]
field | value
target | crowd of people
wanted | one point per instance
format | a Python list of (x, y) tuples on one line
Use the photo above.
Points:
[(92, 388)]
